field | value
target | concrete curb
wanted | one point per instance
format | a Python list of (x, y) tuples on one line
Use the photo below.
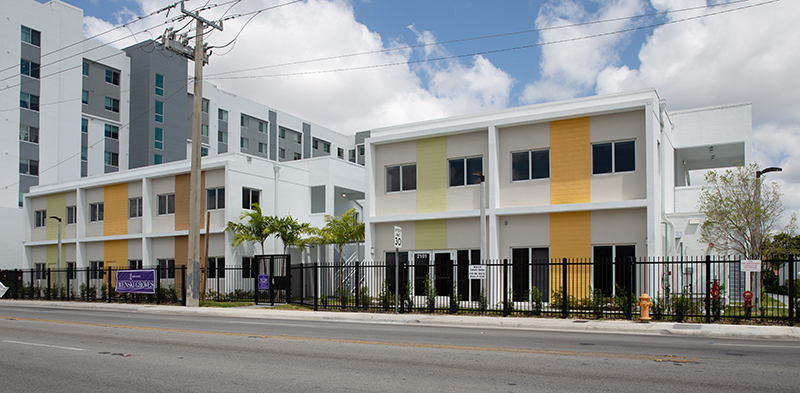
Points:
[(541, 324)]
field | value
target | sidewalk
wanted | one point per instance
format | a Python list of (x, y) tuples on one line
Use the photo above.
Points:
[(545, 324)]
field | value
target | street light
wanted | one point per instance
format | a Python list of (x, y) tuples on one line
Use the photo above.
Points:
[(59, 247), (768, 170), (483, 213), (753, 276)]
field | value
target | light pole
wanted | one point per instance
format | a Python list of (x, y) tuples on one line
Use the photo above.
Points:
[(483, 213), (755, 284), (59, 248)]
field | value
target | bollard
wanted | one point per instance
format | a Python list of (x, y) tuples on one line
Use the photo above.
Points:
[(645, 303)]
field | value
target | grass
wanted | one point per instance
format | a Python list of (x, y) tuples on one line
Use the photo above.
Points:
[(211, 303)]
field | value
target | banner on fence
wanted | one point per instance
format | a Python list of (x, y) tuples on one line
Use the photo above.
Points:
[(263, 281), (751, 265), (477, 272), (136, 281), (3, 289)]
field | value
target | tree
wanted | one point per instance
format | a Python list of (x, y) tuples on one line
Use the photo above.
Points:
[(782, 246), (339, 231), (741, 212), (256, 228), (290, 231)]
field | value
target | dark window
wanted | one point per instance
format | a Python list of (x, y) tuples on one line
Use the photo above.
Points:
[(135, 207), (134, 264), (72, 214), (112, 77), (96, 212), (166, 204), (28, 133), (540, 164), (462, 171), (613, 157), (159, 85), (41, 271), (112, 104), (215, 198), (31, 36), (520, 166), (29, 101), (249, 267), (111, 158), (72, 270), (85, 69), (96, 269), (401, 178), (601, 158), (249, 197), (39, 218), (112, 131), (29, 167), (624, 156), (29, 68), (216, 267), (167, 268)]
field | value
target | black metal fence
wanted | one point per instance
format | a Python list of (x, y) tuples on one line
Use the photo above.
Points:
[(700, 289)]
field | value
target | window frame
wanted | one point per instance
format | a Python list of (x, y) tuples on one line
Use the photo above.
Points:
[(244, 121), (168, 206), (28, 134), (34, 37), (72, 215), (167, 267), (244, 143), (112, 104), (468, 179), (222, 114), (29, 167), (112, 77), (85, 97), (215, 198), (111, 158), (40, 218), (205, 106), (158, 112), (97, 269), (613, 157), (263, 148), (96, 211), (158, 138), (29, 68), (530, 165), (85, 68), (29, 101), (247, 197), (159, 87), (135, 207), (222, 137), (111, 131), (401, 174)]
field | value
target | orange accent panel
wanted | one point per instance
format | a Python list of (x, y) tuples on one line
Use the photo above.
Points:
[(115, 210), (182, 188), (115, 254), (571, 237), (570, 161)]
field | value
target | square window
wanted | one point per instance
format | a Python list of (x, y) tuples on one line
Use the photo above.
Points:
[(31, 36), (29, 167), (461, 171), (112, 131), (215, 198), (157, 159), (297, 156), (28, 134), (249, 197), (166, 204), (29, 101), (222, 137), (112, 77), (401, 178), (111, 158), (96, 212), (625, 156), (135, 207), (222, 114), (29, 68), (601, 158), (112, 104)]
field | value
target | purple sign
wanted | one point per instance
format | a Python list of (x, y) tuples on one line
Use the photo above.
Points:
[(263, 281), (136, 281)]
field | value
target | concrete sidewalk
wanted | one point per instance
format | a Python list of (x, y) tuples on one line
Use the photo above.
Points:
[(545, 324)]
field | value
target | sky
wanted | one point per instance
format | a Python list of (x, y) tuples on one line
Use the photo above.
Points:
[(430, 59)]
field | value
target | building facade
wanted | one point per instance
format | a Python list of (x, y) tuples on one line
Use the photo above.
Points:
[(591, 178)]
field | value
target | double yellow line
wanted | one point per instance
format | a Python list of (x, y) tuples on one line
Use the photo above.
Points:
[(665, 358)]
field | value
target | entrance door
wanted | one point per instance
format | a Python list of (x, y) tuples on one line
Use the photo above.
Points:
[(422, 269), (438, 266), (443, 271)]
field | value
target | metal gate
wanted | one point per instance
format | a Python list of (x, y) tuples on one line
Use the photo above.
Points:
[(277, 267)]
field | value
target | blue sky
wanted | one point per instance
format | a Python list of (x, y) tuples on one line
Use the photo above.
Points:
[(745, 54)]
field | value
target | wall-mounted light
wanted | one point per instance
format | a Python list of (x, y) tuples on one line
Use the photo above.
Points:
[(344, 195)]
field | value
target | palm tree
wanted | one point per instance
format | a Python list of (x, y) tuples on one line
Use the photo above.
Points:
[(290, 231), (257, 228), (339, 231)]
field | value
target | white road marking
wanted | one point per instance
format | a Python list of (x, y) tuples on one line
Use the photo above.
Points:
[(43, 345), (756, 345)]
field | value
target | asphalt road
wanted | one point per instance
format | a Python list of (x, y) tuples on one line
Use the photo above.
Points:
[(57, 349)]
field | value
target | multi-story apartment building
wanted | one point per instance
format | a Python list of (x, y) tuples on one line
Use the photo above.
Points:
[(598, 177)]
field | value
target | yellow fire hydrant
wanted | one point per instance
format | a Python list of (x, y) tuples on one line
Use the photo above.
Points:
[(645, 303)]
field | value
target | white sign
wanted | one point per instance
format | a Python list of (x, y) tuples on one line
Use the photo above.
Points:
[(398, 237), (477, 272), (751, 265)]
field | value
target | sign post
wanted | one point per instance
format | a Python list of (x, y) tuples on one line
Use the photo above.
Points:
[(398, 243)]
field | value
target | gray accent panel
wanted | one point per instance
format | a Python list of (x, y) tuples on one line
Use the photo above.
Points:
[(28, 150), (30, 118), (223, 126), (273, 135), (254, 136), (84, 169), (222, 147), (361, 137), (203, 115), (318, 199), (204, 139), (30, 52), (30, 85), (110, 169), (99, 89), (112, 145), (306, 140), (84, 140), (146, 61), (27, 181)]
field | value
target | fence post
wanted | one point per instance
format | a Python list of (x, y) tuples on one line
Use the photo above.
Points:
[(254, 274), (316, 286), (505, 288), (33, 281), (358, 285), (271, 275), (183, 285), (47, 291), (708, 288), (69, 274), (631, 289), (302, 284), (108, 286), (564, 295), (88, 282), (792, 289), (158, 284)]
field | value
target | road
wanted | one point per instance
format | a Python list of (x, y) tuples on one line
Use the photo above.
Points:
[(49, 349)]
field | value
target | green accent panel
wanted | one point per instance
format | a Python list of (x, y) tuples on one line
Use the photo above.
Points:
[(52, 255), (56, 206), (431, 235), (432, 175)]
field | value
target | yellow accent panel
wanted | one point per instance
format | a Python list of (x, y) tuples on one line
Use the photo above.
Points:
[(571, 237), (431, 235), (182, 187), (115, 210), (115, 253), (56, 206), (570, 161), (432, 175)]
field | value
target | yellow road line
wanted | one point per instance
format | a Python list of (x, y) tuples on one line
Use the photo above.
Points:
[(667, 358)]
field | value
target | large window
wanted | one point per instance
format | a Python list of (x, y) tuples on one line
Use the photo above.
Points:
[(112, 104), (29, 68), (215, 198), (159, 85), (166, 204), (249, 267), (529, 165), (72, 215), (41, 271), (112, 131), (31, 36), (461, 171), (96, 212), (39, 218), (216, 267), (401, 178), (159, 111), (135, 208), (96, 269), (112, 77), (29, 101), (29, 167), (111, 158), (28, 133), (249, 197), (613, 157), (159, 138)]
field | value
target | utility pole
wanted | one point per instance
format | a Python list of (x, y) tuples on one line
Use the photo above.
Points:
[(195, 210)]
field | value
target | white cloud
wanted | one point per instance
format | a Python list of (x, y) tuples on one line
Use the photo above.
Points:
[(346, 101), (570, 69), (778, 145)]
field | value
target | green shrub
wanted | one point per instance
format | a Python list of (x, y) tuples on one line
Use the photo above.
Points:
[(598, 303), (657, 309), (430, 294), (386, 296), (455, 299), (682, 304), (483, 303), (407, 297), (364, 298), (508, 304), (536, 301)]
